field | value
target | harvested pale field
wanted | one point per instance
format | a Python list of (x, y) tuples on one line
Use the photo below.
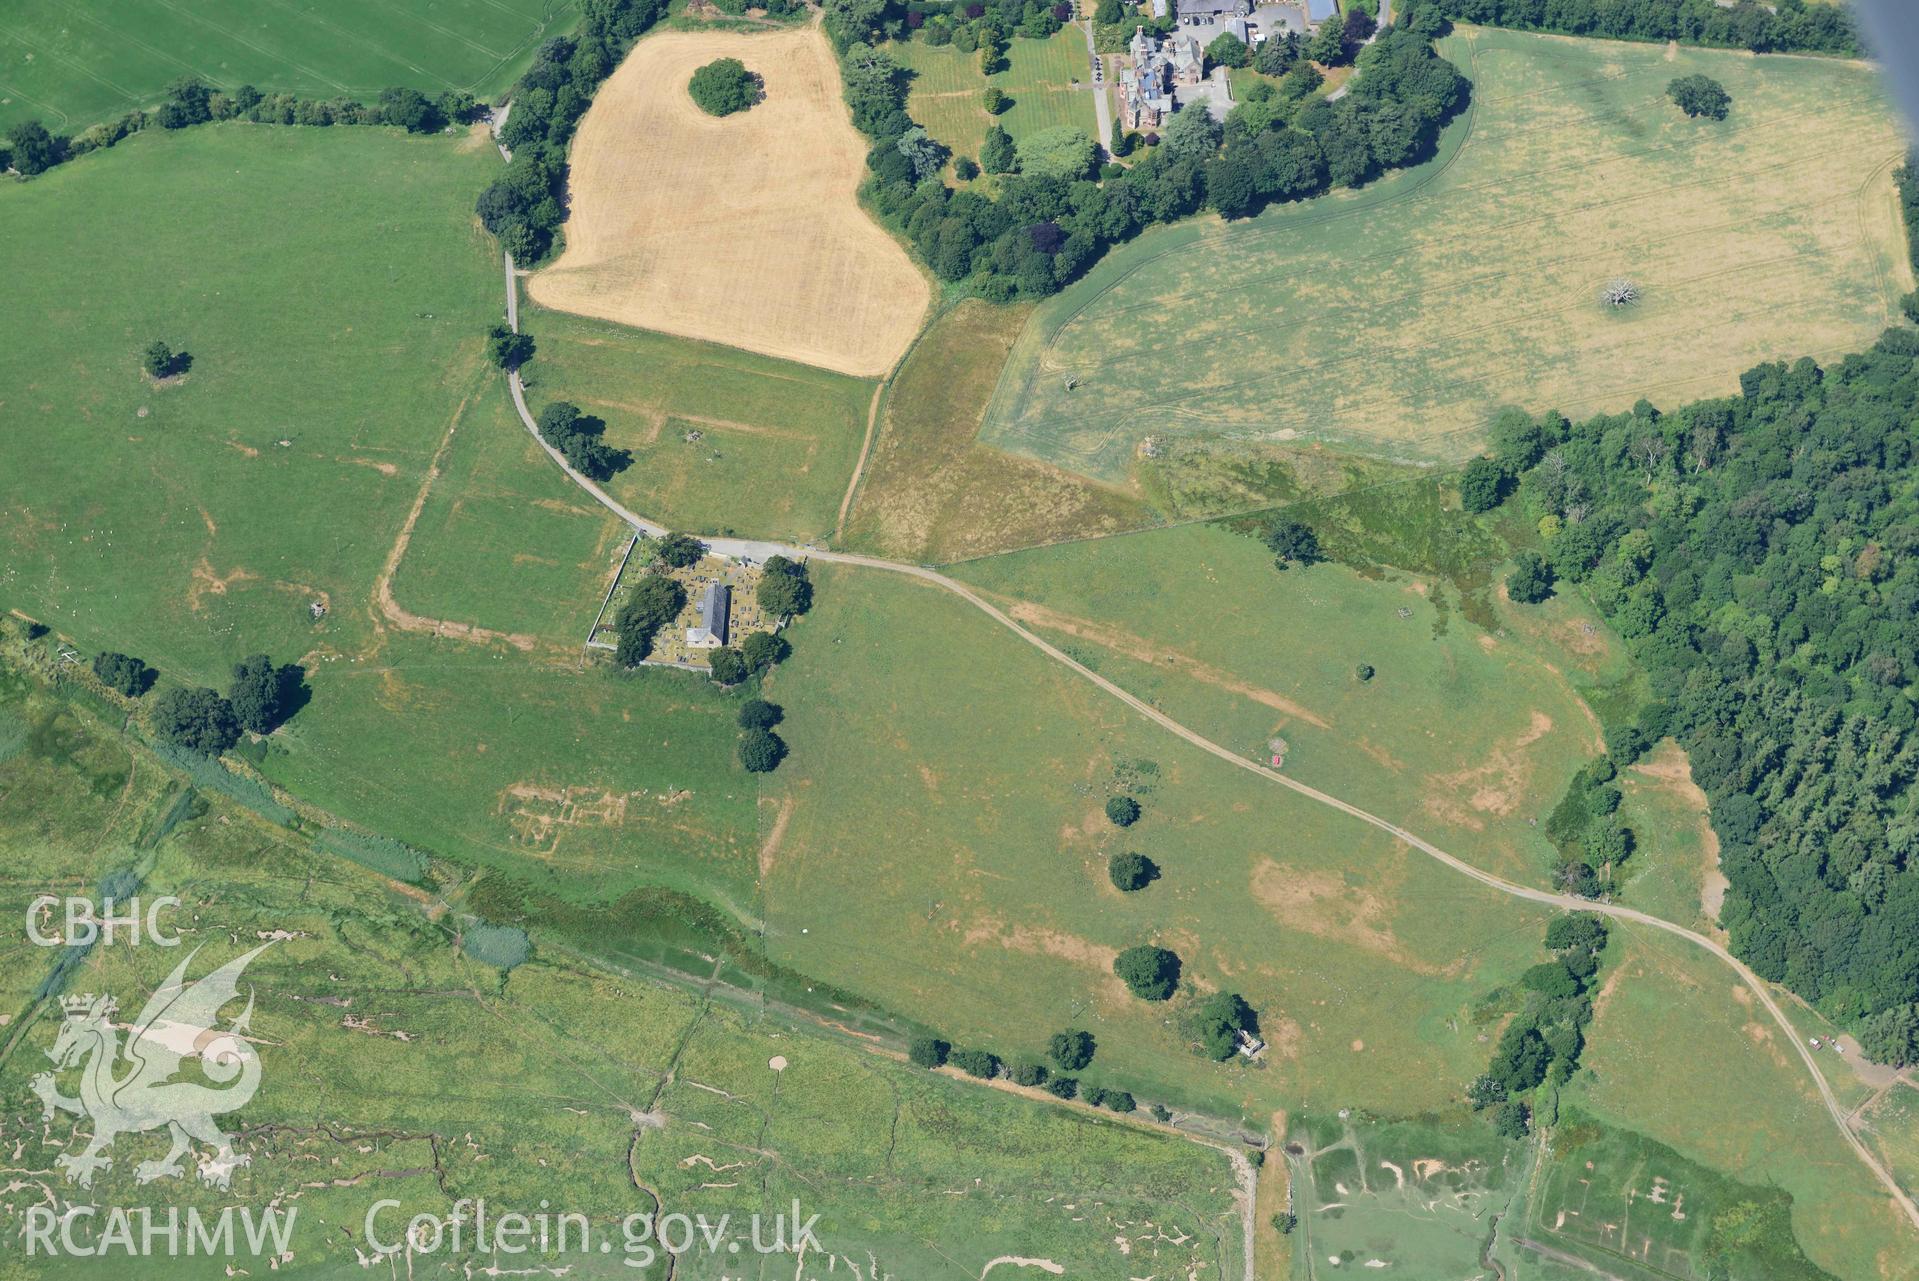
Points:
[(745, 229)]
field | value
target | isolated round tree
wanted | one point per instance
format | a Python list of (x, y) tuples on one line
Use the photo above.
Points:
[(1700, 96), (1122, 811), (1132, 871), (1150, 973), (1220, 1021), (158, 359), (724, 87)]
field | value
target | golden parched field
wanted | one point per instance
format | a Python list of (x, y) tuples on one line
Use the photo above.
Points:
[(743, 230)]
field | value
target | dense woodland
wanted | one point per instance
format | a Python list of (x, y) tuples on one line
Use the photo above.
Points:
[(1053, 217), (1784, 26), (1760, 554)]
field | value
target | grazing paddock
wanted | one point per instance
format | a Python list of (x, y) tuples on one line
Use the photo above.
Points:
[(1461, 736), (1400, 318), (1894, 1121), (1672, 1026), (503, 540), (1039, 78), (335, 330), (744, 230), (722, 439), (75, 62), (588, 784), (380, 1039), (1676, 873), (940, 848)]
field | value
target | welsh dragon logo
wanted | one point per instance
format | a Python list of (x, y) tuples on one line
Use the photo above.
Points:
[(130, 1089)]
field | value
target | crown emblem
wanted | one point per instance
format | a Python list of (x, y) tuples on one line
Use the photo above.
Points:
[(75, 1006)]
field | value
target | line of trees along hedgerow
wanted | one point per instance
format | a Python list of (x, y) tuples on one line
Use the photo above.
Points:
[(1779, 27), (1760, 555), (31, 148), (1550, 1006)]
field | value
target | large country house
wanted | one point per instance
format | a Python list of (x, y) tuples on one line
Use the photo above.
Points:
[(1146, 89), (1169, 71)]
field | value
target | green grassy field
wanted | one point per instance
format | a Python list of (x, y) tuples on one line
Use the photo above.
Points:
[(721, 439), (1674, 1029), (335, 330), (1463, 735), (396, 1066), (172, 523), (1670, 874), (504, 540), (1046, 80), (73, 64), (1894, 1120), (578, 783), (1398, 319), (936, 842), (1617, 1201)]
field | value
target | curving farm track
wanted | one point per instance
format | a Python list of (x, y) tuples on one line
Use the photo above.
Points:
[(760, 550)]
